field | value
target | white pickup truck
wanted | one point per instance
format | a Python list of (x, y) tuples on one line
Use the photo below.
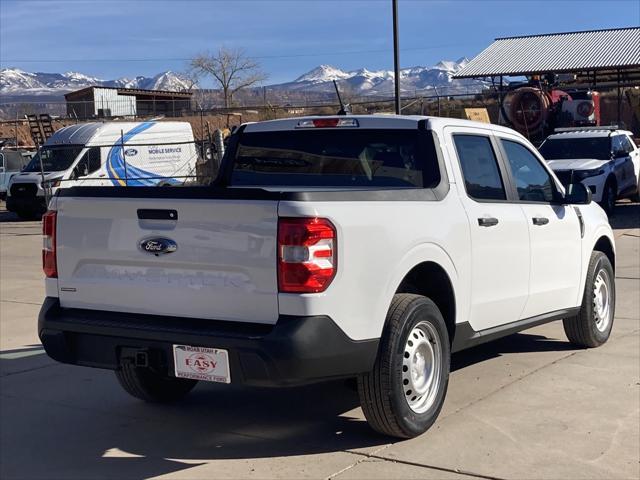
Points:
[(329, 247)]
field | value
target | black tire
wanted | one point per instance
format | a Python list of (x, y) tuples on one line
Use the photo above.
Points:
[(582, 330), (147, 385), (609, 196), (636, 196), (383, 394)]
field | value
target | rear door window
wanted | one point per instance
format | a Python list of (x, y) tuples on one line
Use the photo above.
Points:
[(479, 167), (337, 158), (533, 182)]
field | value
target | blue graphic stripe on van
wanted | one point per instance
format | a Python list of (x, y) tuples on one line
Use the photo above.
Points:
[(115, 159), (116, 164)]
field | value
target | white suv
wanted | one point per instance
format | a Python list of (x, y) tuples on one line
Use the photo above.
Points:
[(605, 159)]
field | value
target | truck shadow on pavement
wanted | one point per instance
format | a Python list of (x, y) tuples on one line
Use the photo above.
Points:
[(62, 421), (627, 216), (516, 343), (6, 216)]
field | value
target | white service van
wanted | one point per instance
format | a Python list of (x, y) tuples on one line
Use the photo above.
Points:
[(104, 154)]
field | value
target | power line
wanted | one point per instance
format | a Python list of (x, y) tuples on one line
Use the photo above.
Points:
[(177, 59)]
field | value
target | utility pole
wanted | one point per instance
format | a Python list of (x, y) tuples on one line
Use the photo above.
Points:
[(396, 55)]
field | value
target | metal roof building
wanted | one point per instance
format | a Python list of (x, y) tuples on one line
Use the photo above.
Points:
[(612, 50), (105, 102)]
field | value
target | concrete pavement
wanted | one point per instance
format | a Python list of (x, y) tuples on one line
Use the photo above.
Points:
[(527, 406)]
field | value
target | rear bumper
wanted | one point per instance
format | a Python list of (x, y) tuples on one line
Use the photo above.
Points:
[(297, 350), (31, 204)]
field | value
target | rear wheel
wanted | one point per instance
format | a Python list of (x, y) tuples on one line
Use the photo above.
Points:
[(404, 393), (592, 325), (150, 386)]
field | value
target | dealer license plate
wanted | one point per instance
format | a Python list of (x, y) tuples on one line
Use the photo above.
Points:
[(201, 363)]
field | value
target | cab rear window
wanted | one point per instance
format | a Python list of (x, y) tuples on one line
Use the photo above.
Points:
[(336, 158)]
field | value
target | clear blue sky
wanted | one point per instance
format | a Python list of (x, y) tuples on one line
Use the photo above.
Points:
[(118, 38)]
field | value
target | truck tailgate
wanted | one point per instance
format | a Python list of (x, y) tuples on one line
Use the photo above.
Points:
[(224, 266)]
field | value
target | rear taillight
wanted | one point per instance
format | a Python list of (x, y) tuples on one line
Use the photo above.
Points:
[(49, 264), (307, 256)]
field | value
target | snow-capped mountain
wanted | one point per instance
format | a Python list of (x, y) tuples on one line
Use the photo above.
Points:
[(367, 82), (322, 73), (15, 81), (162, 81)]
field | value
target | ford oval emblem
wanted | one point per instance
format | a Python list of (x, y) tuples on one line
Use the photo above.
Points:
[(130, 152), (158, 246)]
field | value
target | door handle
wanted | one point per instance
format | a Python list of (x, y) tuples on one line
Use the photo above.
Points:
[(487, 221), (540, 220)]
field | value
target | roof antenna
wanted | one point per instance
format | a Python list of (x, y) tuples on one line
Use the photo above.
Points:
[(345, 109)]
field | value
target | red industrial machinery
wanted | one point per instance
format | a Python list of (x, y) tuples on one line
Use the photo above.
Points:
[(535, 111)]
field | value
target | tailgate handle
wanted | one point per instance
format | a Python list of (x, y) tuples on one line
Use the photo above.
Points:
[(157, 214)]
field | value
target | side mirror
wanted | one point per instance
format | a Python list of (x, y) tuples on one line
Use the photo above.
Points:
[(619, 153), (577, 194)]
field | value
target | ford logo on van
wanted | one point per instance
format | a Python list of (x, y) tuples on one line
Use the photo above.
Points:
[(130, 152), (158, 246)]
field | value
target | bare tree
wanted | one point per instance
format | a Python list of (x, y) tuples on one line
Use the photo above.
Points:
[(231, 69), (192, 84), (191, 79)]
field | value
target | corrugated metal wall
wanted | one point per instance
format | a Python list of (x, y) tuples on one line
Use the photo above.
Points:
[(107, 102)]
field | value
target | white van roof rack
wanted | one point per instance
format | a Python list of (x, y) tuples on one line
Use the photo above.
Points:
[(587, 129)]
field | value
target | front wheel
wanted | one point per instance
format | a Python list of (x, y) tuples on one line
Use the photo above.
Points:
[(592, 325), (404, 393), (609, 196), (636, 196)]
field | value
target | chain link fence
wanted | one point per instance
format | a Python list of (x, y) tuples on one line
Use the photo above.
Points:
[(122, 163)]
